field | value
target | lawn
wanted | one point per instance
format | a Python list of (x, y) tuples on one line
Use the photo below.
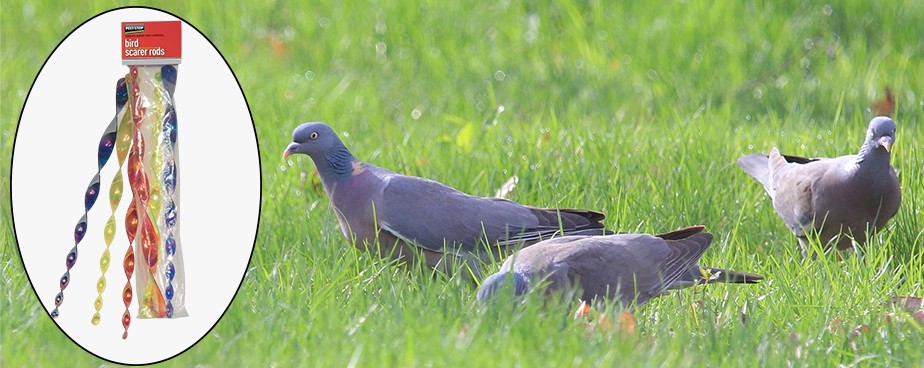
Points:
[(635, 110)]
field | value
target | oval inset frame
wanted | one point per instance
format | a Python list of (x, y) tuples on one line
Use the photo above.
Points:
[(54, 152)]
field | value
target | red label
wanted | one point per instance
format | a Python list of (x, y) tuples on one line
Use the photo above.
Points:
[(146, 43)]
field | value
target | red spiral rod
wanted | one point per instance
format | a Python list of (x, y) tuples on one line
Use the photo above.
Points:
[(152, 302)]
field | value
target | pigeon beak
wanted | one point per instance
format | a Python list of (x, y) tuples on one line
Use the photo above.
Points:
[(289, 150), (886, 142)]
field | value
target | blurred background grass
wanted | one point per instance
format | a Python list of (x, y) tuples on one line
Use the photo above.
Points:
[(634, 109)]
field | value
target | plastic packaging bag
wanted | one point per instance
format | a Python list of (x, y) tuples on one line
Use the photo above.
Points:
[(159, 272)]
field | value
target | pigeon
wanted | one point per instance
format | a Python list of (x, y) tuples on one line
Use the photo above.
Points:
[(627, 268), (831, 196), (398, 215)]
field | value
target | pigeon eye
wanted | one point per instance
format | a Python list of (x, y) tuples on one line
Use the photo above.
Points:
[(313, 135)]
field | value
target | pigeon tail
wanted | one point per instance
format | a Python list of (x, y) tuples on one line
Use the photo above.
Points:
[(569, 219), (699, 275), (757, 166), (683, 233)]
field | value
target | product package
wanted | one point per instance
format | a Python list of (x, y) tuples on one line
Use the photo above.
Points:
[(152, 174), (152, 51), (144, 135)]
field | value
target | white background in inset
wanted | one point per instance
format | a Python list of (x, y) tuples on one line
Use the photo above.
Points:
[(55, 157)]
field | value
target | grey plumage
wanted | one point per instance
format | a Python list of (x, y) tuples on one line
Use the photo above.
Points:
[(830, 196), (630, 268), (699, 274), (399, 213)]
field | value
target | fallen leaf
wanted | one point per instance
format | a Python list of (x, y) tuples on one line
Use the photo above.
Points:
[(910, 303), (278, 46), (509, 186), (628, 325), (604, 323), (314, 180), (885, 106), (836, 325), (859, 330), (582, 311), (585, 312), (888, 317)]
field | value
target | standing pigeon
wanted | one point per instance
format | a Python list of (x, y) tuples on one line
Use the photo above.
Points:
[(400, 213), (631, 268), (832, 195)]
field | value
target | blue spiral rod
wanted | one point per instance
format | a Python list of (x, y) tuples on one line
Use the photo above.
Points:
[(169, 176), (106, 146)]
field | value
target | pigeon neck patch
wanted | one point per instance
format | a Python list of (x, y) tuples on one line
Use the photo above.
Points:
[(358, 168)]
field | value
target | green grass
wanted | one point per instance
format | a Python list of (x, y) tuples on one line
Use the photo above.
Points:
[(635, 110)]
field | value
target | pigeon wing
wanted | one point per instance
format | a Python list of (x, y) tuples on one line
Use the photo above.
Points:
[(431, 215)]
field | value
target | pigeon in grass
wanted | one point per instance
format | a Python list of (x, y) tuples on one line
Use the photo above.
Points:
[(398, 215), (628, 268), (831, 196)]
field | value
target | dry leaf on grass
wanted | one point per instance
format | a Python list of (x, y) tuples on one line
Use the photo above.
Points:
[(507, 188), (910, 303), (914, 305), (836, 326), (625, 325), (857, 331), (279, 47), (314, 179), (583, 311), (885, 106)]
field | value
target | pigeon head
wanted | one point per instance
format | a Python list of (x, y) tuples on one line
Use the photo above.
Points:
[(494, 284), (312, 139), (881, 133), (319, 141)]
